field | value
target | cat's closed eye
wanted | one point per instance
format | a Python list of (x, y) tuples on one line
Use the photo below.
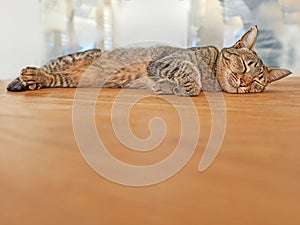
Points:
[(250, 63)]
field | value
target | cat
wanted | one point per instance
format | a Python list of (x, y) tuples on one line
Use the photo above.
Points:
[(164, 69)]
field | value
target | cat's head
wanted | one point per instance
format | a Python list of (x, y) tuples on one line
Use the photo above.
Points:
[(240, 70)]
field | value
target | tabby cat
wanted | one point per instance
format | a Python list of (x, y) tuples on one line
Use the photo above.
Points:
[(164, 69)]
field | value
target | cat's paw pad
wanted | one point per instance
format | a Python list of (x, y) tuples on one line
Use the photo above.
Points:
[(234, 81), (17, 85)]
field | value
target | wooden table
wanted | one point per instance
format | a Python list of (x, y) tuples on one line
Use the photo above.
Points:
[(254, 180)]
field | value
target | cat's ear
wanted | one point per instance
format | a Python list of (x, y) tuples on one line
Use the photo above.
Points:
[(248, 39), (275, 74)]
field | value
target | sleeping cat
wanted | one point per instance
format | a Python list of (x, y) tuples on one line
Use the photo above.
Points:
[(164, 69)]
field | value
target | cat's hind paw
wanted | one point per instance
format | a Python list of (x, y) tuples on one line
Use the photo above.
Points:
[(30, 79), (17, 85)]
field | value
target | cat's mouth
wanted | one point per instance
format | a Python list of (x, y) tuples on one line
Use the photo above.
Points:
[(245, 82)]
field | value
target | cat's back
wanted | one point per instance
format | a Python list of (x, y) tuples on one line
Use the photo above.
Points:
[(147, 53)]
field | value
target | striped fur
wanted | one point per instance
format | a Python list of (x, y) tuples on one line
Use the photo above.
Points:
[(164, 69)]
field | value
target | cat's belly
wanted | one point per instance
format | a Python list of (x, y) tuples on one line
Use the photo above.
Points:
[(133, 76)]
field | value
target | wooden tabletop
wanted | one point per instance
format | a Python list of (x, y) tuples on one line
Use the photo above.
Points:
[(255, 178)]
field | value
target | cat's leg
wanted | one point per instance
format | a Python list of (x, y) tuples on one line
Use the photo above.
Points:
[(32, 78), (175, 76), (64, 72)]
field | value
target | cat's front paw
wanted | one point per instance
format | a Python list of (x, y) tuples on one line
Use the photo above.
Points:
[(234, 81), (163, 87), (179, 91), (243, 90)]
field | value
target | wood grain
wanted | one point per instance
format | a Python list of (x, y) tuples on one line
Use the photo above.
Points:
[(254, 179)]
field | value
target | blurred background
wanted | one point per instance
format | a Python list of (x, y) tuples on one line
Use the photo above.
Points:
[(32, 32)]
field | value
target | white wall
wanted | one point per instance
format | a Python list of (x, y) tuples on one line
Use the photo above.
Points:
[(19, 36), (22, 41), (151, 20), (137, 20)]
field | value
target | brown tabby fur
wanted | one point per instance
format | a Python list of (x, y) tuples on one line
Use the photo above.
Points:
[(164, 69)]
